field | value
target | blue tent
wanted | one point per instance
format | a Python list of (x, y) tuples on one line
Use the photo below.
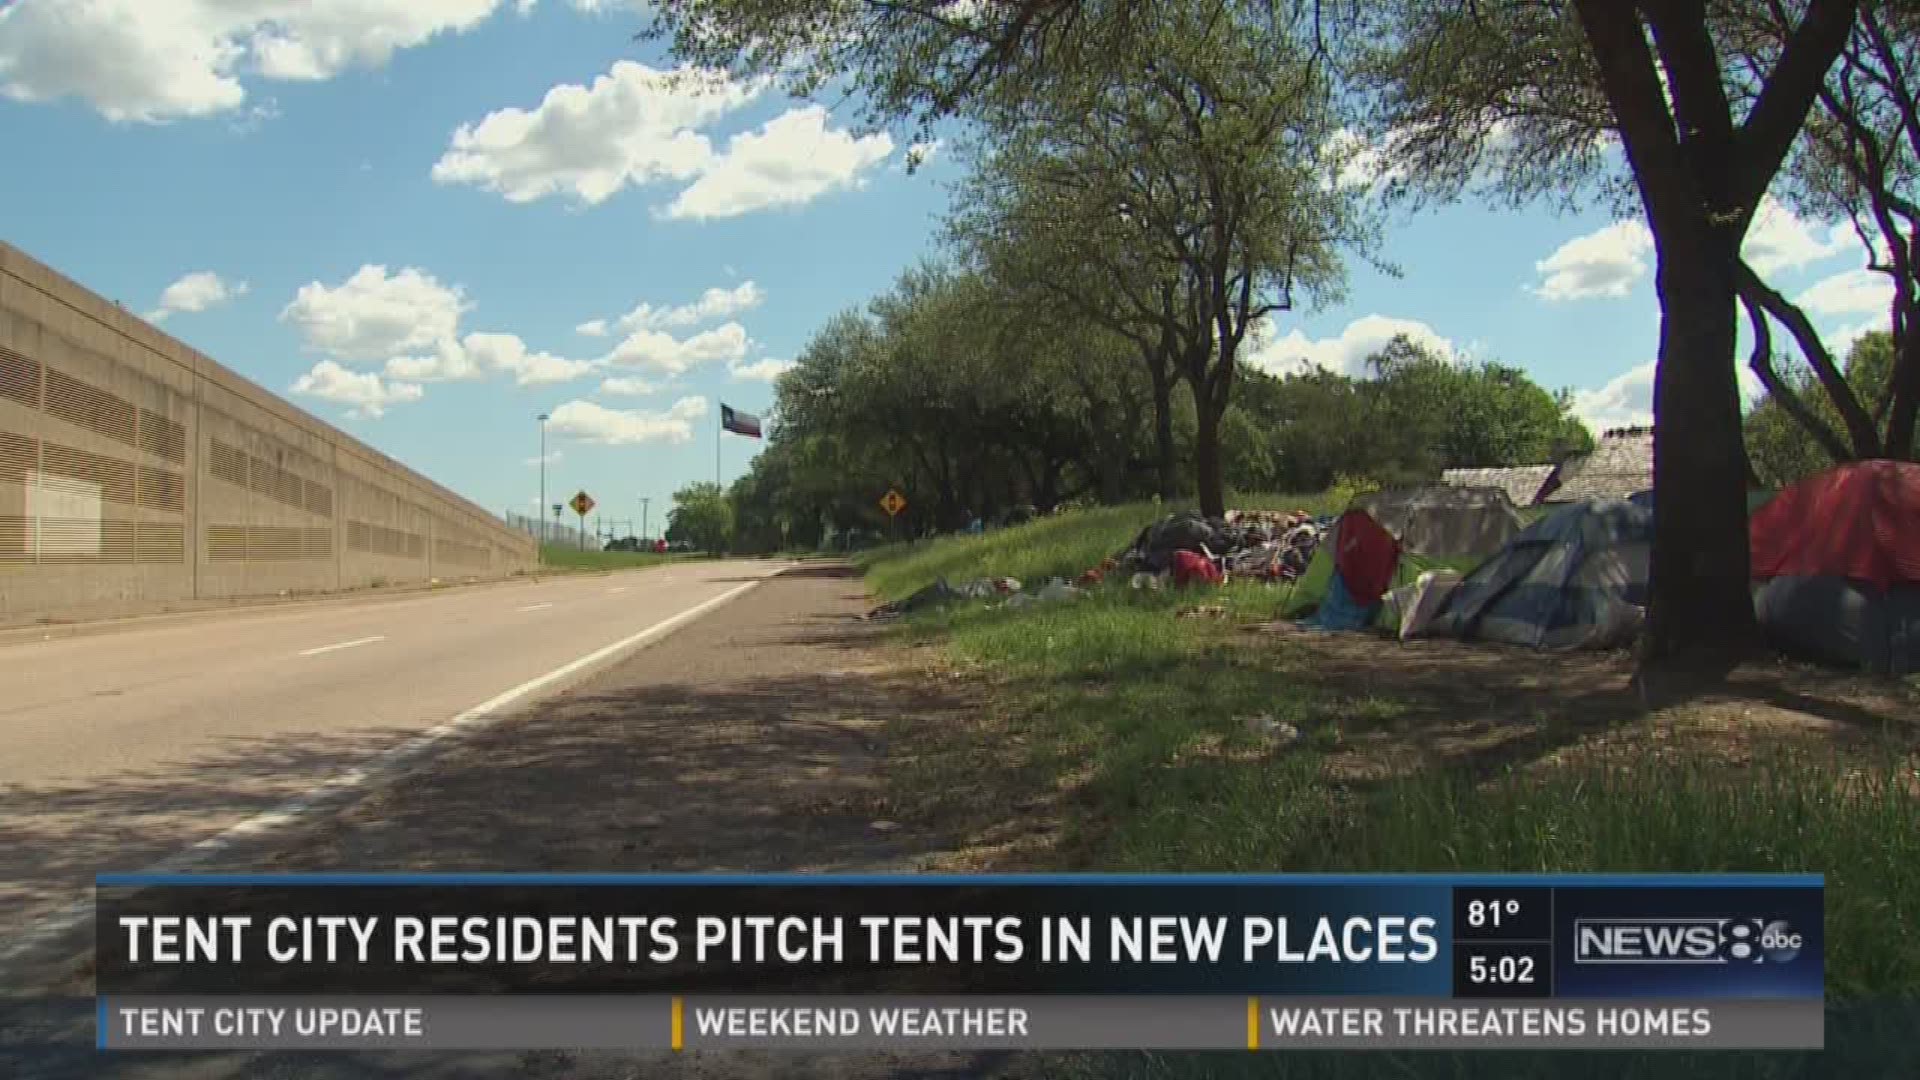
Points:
[(1576, 578)]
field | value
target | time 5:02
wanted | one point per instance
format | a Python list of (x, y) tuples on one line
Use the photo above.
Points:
[(1500, 969)]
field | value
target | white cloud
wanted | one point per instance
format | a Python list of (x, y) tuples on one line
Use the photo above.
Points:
[(1610, 261), (1840, 342), (715, 303), (1360, 164), (625, 386), (633, 125), (481, 354), (1780, 240), (374, 315), (765, 370), (1625, 401), (592, 328), (793, 159), (1850, 292), (595, 423), (1604, 263), (448, 362), (653, 350), (151, 61), (411, 322), (198, 291), (367, 393), (1345, 353), (507, 354)]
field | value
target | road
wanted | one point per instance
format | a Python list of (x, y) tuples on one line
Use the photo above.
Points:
[(124, 749)]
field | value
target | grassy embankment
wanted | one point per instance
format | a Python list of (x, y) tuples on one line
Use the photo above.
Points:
[(1132, 724)]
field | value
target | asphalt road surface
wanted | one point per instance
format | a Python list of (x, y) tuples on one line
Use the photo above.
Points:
[(123, 750)]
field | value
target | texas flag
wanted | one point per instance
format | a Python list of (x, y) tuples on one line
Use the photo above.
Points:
[(740, 423)]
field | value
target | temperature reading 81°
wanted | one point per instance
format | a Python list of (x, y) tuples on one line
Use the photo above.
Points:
[(1488, 913)]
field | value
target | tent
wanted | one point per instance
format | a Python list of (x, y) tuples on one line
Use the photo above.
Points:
[(1365, 556), (1576, 578), (1445, 521), (1836, 560)]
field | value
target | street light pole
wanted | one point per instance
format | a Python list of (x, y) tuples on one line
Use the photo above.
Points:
[(644, 500), (542, 515)]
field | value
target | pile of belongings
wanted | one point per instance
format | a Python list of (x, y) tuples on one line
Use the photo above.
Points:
[(1056, 589), (1261, 545), (940, 594)]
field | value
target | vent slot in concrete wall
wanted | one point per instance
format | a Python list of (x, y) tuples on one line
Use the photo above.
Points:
[(162, 437), (114, 478), (19, 378), (19, 456), (380, 540), (92, 408), (57, 541), (227, 463), (267, 543), (160, 541), (455, 551), (264, 478), (163, 490)]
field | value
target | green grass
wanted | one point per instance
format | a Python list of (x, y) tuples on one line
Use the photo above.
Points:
[(1142, 716), (563, 557)]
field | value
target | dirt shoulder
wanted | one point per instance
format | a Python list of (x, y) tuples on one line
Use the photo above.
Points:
[(754, 739)]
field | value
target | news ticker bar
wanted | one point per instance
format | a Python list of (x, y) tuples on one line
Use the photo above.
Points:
[(1032, 1022), (1494, 937)]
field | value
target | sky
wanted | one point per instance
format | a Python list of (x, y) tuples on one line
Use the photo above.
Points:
[(430, 222)]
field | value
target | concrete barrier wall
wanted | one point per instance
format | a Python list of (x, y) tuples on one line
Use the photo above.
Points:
[(135, 472)]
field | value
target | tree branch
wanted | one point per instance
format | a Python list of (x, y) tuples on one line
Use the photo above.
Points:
[(1785, 98), (1756, 294)]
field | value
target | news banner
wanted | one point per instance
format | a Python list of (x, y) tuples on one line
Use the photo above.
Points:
[(929, 962)]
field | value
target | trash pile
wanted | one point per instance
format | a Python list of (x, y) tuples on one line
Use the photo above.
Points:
[(1183, 549), (940, 594), (1189, 548)]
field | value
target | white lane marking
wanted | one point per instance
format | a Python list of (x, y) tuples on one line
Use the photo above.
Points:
[(617, 589), (342, 645), (537, 607), (386, 764)]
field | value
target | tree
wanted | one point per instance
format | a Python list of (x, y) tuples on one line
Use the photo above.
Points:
[(1444, 414), (1027, 239), (1536, 91), (701, 516), (1781, 445), (1860, 161), (1194, 179)]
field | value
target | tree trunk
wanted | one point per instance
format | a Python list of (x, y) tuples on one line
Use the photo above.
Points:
[(1165, 461), (1208, 477), (1701, 615), (1906, 395)]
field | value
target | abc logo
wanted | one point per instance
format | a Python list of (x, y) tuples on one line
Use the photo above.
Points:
[(1761, 942)]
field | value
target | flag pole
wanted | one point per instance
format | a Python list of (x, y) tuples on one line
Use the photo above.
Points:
[(719, 425)]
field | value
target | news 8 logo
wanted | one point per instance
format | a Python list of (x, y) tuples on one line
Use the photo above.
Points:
[(1685, 941)]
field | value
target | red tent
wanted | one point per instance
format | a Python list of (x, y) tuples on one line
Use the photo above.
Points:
[(1859, 521), (1837, 558), (1365, 556)]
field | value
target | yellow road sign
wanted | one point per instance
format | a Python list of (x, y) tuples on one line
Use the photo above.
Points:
[(893, 502), (582, 503)]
